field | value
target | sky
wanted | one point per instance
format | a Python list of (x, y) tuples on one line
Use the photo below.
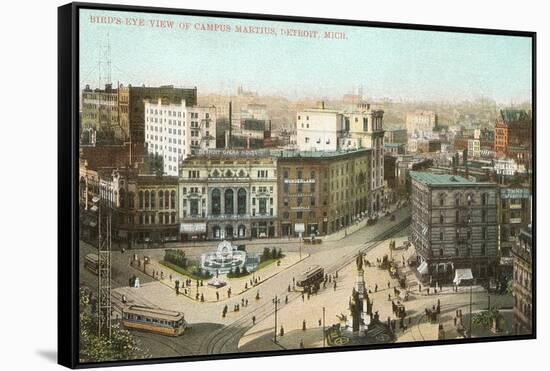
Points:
[(386, 63)]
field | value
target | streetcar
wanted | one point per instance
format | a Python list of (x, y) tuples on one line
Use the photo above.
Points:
[(155, 320), (312, 277), (91, 262)]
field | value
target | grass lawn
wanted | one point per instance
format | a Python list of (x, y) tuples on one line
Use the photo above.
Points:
[(189, 271), (259, 267)]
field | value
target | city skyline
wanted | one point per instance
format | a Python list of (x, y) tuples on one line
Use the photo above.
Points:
[(471, 66)]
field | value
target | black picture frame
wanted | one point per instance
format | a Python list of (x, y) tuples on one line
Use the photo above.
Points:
[(68, 146)]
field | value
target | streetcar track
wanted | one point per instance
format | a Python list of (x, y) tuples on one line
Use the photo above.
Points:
[(232, 331)]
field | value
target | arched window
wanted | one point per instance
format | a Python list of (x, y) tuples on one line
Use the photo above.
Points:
[(228, 201), (173, 200), (161, 199), (166, 199), (146, 199), (216, 203), (241, 202), (242, 231), (153, 199)]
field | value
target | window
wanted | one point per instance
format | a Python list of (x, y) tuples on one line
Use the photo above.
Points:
[(228, 201), (299, 215), (216, 202), (241, 202)]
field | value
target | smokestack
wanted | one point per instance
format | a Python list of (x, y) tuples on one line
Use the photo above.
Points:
[(228, 144), (322, 104)]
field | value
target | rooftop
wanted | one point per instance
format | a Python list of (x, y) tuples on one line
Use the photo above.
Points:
[(514, 115), (442, 179), (317, 154)]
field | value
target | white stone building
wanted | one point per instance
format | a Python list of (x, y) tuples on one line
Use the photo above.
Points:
[(319, 129), (173, 131)]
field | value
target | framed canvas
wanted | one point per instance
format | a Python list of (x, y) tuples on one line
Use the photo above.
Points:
[(241, 185)]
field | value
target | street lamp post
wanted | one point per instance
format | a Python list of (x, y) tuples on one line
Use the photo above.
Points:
[(324, 334)]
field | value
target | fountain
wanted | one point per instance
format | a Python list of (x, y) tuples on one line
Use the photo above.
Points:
[(227, 258)]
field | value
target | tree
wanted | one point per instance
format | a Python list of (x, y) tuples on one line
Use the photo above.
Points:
[(486, 318), (120, 346)]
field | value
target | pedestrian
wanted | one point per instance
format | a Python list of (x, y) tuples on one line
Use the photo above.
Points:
[(288, 288), (376, 288), (170, 278), (253, 320), (217, 296), (282, 331), (246, 302), (301, 344), (389, 284), (320, 322), (389, 297), (302, 297), (334, 285), (303, 325), (286, 299)]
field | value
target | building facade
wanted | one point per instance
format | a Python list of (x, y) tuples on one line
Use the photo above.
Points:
[(514, 213), (119, 114), (173, 131), (513, 130), (523, 282), (322, 192), (454, 225), (228, 194), (420, 124)]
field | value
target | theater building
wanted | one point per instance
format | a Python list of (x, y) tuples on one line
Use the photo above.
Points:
[(228, 194)]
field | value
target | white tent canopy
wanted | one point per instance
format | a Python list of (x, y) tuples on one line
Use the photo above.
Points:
[(462, 274), (423, 268)]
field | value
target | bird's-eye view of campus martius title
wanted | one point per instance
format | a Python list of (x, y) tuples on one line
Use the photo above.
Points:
[(249, 186)]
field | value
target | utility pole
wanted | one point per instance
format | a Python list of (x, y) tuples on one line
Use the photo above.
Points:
[(275, 339)]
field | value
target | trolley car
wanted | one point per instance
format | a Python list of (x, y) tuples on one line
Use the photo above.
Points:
[(312, 277), (156, 320)]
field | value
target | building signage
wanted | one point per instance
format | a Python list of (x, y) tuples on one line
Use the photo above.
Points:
[(514, 193), (299, 227), (299, 181), (505, 167), (299, 208)]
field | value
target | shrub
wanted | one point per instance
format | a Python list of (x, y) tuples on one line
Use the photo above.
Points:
[(176, 257)]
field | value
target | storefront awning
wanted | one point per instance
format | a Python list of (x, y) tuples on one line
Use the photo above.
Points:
[(193, 228), (423, 268), (462, 274)]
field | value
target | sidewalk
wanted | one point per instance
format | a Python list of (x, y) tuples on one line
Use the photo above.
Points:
[(238, 286), (336, 236)]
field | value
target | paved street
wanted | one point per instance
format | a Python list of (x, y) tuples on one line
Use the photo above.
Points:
[(211, 333)]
